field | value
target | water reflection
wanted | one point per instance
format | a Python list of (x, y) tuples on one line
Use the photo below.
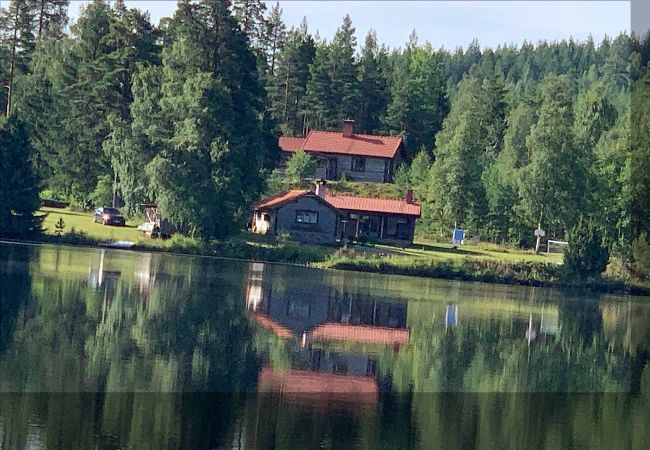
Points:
[(105, 349)]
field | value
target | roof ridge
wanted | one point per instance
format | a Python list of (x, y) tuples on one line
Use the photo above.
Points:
[(346, 194), (356, 134)]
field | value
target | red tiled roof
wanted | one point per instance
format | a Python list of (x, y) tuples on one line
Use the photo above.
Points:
[(291, 144), (281, 198), (270, 324), (335, 142), (380, 205), (360, 333), (348, 202)]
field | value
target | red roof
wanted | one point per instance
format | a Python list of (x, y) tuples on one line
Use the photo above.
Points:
[(349, 203), (335, 142), (291, 144), (281, 198), (360, 333), (270, 324), (376, 205)]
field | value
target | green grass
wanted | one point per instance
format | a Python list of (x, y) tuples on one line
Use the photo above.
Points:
[(483, 262), (483, 251), (82, 222)]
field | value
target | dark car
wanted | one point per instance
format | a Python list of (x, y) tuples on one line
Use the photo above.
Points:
[(108, 216)]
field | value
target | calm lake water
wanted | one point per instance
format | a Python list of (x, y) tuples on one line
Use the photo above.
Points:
[(104, 349)]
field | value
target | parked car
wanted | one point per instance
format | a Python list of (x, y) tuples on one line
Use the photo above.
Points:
[(108, 216)]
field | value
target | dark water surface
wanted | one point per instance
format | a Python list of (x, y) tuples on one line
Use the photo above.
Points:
[(104, 349)]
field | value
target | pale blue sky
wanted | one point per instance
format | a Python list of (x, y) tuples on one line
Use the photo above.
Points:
[(447, 23)]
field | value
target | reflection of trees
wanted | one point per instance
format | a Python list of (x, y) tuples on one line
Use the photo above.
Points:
[(122, 362)]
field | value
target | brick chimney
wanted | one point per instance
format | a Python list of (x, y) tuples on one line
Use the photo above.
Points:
[(348, 127), (409, 196), (321, 190)]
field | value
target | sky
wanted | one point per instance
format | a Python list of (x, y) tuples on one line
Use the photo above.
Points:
[(449, 23)]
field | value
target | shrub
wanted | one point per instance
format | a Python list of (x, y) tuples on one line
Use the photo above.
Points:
[(641, 257), (586, 255), (300, 166), (103, 193)]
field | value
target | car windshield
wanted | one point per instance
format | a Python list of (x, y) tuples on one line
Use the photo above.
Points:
[(111, 211)]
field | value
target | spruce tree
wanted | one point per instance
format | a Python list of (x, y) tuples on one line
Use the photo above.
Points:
[(373, 85), (19, 193)]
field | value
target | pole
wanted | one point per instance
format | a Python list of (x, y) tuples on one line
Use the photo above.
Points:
[(539, 234)]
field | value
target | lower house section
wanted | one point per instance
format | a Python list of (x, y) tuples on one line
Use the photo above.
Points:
[(318, 218), (306, 218), (388, 229)]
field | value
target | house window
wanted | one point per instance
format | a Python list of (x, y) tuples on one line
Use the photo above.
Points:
[(398, 227), (358, 164), (306, 217), (298, 310)]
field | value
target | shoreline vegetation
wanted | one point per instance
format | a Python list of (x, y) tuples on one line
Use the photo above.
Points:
[(487, 263)]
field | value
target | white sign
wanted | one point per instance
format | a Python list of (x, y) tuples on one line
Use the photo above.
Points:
[(539, 232)]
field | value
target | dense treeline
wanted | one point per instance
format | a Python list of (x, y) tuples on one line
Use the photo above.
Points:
[(187, 114)]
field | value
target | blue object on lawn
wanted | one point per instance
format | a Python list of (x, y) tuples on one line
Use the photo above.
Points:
[(458, 237)]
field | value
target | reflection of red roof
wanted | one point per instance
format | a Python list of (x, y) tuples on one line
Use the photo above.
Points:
[(381, 205), (270, 324), (291, 144), (281, 198), (360, 333), (335, 142), (305, 382)]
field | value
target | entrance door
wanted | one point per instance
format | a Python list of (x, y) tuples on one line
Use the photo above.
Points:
[(332, 169)]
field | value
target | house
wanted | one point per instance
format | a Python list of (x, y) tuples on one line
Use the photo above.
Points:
[(326, 218), (358, 157)]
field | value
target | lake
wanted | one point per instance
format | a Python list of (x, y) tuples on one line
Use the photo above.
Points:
[(110, 349)]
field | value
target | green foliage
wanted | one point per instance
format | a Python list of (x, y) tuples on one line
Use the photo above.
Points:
[(300, 166), (641, 257), (19, 194), (102, 195), (586, 255)]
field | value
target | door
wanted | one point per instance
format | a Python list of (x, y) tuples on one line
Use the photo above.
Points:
[(332, 169)]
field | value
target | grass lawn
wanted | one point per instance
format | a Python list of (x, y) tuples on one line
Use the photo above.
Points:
[(484, 251), (82, 221)]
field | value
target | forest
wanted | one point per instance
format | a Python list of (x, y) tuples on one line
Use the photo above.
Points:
[(187, 113)]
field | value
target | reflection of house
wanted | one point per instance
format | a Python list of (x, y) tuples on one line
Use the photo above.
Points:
[(339, 379), (359, 157), (325, 314), (322, 217)]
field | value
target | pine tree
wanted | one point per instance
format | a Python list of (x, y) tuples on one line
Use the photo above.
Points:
[(373, 85), (19, 194), (287, 89), (275, 32), (344, 75), (320, 106), (17, 42), (419, 102), (52, 17)]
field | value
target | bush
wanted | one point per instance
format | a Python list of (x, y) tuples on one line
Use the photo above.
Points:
[(300, 166), (103, 193), (641, 257), (586, 255)]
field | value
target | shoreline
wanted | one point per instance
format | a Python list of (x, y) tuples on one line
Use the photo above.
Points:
[(532, 274)]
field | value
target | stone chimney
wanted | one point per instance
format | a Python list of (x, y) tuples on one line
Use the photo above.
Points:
[(321, 190), (348, 128), (409, 196)]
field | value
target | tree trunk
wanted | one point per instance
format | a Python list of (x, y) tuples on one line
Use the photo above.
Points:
[(12, 64), (41, 19)]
